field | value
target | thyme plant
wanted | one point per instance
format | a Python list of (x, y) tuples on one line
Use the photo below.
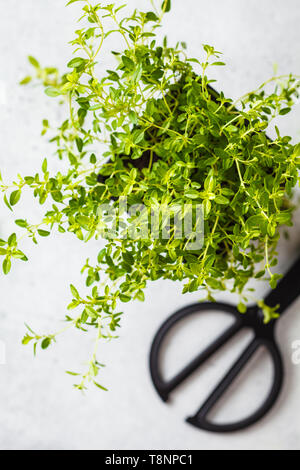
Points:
[(153, 130)]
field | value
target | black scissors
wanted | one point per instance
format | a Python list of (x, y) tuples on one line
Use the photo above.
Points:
[(264, 335)]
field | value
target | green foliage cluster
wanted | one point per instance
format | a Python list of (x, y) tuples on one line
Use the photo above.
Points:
[(166, 137)]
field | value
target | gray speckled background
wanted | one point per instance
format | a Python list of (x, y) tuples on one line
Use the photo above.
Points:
[(38, 407)]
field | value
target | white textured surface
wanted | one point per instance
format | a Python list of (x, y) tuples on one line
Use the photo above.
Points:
[(38, 408)]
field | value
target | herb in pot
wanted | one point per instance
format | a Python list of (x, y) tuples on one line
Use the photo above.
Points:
[(153, 130)]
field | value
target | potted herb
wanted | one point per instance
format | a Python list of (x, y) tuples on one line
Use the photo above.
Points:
[(152, 132)]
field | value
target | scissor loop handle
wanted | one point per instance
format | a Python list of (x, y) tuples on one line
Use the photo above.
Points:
[(263, 336)]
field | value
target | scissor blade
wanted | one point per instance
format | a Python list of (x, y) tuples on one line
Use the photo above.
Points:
[(287, 291)]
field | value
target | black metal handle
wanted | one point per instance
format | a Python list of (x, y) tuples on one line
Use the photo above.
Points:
[(165, 388), (287, 290)]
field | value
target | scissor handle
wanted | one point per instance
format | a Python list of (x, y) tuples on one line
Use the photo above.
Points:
[(264, 336)]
